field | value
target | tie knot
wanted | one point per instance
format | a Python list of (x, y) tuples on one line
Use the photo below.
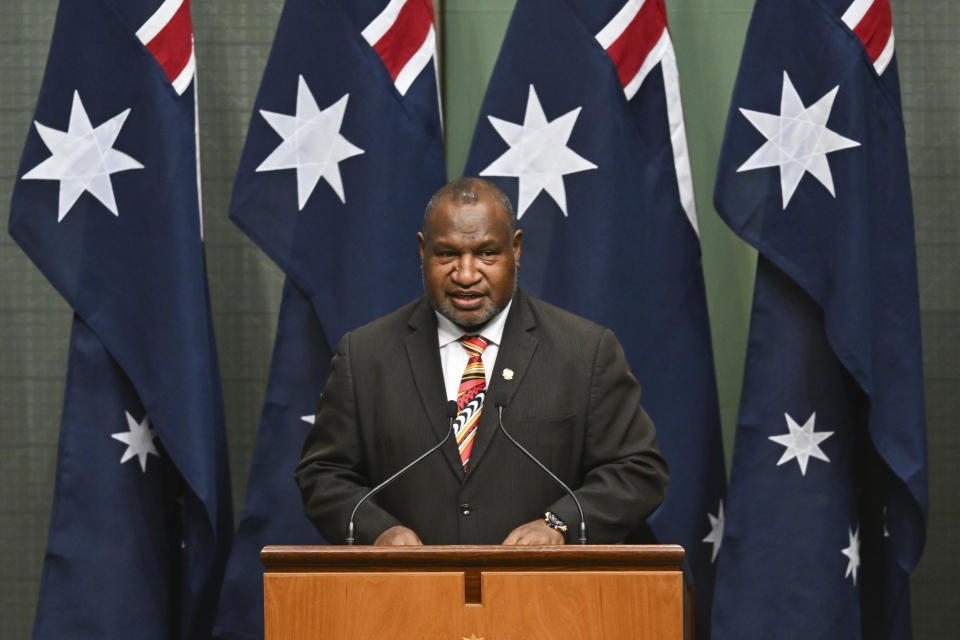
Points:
[(474, 344)]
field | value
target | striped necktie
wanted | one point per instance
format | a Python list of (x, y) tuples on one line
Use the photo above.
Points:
[(473, 383)]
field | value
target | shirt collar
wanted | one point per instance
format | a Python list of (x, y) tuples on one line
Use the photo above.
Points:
[(448, 332)]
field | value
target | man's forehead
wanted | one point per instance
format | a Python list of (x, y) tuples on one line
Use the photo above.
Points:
[(478, 235), (467, 218)]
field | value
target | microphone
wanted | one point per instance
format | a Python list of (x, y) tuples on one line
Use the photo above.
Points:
[(451, 415), (500, 401)]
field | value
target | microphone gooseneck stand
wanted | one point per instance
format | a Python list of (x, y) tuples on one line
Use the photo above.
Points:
[(500, 402), (451, 414)]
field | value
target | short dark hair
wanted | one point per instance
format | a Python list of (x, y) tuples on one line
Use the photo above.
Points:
[(467, 190)]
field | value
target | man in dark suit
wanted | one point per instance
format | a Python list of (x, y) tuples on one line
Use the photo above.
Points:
[(563, 383)]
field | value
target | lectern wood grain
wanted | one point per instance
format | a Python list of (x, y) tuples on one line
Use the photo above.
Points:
[(609, 605), (363, 605), (608, 592)]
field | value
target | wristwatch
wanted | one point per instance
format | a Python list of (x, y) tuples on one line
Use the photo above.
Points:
[(554, 522)]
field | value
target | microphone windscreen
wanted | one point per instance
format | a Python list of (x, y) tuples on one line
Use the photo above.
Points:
[(500, 399), (451, 409)]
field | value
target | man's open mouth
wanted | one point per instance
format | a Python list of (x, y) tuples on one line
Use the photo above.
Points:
[(466, 299)]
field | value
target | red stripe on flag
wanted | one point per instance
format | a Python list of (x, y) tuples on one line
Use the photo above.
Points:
[(634, 44), (404, 38), (173, 44), (875, 27)]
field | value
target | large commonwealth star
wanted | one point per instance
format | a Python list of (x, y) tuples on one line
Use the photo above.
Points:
[(538, 154), (312, 143), (83, 158), (798, 140)]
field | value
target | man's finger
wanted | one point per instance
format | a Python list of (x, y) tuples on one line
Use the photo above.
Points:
[(397, 536)]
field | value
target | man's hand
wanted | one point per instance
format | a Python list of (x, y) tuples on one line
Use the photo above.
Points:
[(398, 536), (536, 532)]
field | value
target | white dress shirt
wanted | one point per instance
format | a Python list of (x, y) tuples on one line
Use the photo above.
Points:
[(453, 357)]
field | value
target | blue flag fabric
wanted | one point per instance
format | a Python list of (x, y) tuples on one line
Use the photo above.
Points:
[(338, 164), (272, 510), (582, 127), (106, 204), (828, 495), (343, 152)]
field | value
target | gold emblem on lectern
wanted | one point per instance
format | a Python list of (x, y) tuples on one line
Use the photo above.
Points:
[(472, 637)]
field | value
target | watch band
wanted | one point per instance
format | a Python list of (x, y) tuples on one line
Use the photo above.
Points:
[(554, 522)]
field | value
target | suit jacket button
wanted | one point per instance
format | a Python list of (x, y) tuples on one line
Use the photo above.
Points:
[(465, 509)]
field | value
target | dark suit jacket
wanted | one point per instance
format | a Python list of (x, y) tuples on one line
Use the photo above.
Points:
[(572, 402)]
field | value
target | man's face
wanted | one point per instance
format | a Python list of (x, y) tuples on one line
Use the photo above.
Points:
[(469, 260)]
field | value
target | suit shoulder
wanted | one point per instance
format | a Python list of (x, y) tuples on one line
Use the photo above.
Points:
[(387, 327), (551, 316)]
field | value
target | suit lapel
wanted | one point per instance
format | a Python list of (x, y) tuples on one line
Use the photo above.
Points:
[(424, 357), (516, 349)]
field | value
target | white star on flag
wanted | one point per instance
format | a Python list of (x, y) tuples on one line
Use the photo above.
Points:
[(312, 143), (139, 440), (309, 419), (538, 154), (802, 443), (716, 532), (83, 158), (853, 554), (798, 140)]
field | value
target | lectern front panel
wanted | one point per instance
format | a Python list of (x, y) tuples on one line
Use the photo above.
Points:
[(329, 606), (584, 604), (590, 592)]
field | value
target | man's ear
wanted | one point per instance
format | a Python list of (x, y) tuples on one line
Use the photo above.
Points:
[(422, 243), (517, 244)]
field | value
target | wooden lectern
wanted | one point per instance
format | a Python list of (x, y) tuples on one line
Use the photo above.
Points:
[(474, 592)]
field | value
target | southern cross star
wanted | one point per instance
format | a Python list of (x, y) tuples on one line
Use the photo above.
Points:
[(853, 554), (716, 532), (312, 143), (139, 440), (538, 154), (83, 158), (798, 140), (802, 443)]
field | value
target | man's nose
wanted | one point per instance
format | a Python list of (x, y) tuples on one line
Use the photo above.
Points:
[(466, 272)]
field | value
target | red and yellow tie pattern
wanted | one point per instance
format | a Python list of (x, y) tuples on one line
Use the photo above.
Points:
[(473, 383)]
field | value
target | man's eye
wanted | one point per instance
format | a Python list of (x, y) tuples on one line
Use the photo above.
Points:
[(489, 253)]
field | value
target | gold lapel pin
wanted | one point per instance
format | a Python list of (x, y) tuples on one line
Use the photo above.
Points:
[(508, 374)]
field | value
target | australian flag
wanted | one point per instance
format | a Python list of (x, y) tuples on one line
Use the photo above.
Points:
[(828, 495), (107, 205), (344, 151), (582, 126)]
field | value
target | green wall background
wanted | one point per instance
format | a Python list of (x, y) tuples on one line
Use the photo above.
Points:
[(233, 38)]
